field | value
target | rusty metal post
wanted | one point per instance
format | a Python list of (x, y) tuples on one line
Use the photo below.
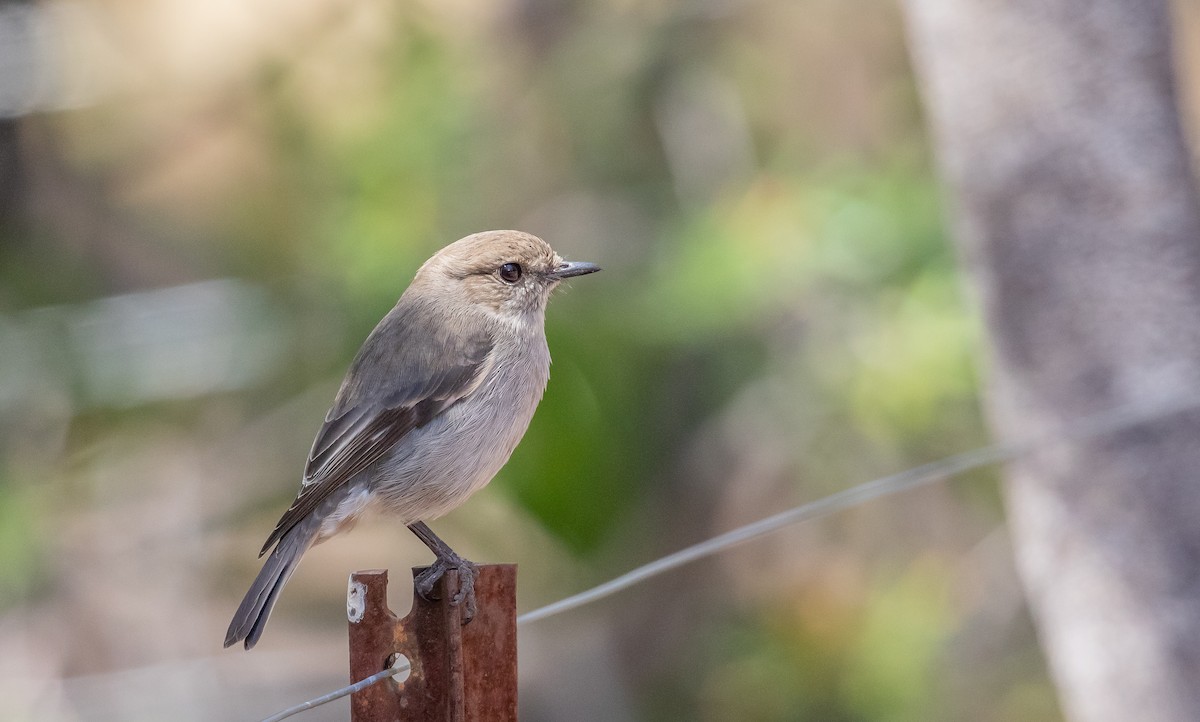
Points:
[(460, 673)]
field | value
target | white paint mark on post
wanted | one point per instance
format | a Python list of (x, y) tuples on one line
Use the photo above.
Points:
[(356, 601)]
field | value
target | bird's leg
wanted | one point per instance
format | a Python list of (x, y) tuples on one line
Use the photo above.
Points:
[(446, 560)]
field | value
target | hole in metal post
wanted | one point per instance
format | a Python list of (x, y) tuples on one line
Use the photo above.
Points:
[(396, 660)]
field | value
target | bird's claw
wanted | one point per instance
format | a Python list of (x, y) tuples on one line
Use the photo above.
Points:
[(426, 583)]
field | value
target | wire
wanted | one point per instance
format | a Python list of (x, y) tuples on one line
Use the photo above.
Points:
[(1125, 417), (861, 494), (833, 503), (402, 664)]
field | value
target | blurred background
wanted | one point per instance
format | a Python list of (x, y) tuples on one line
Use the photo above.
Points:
[(205, 207)]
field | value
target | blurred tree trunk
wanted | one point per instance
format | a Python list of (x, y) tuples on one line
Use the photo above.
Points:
[(1058, 135)]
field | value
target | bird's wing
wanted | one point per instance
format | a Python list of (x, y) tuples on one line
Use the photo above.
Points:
[(410, 370)]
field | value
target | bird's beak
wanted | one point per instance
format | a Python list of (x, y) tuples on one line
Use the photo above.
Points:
[(568, 269)]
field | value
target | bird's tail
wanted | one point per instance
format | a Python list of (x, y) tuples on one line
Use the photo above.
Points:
[(251, 616)]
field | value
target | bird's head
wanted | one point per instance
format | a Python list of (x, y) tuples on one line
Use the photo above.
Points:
[(507, 273)]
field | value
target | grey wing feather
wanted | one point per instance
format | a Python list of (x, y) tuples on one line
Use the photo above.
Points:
[(410, 370)]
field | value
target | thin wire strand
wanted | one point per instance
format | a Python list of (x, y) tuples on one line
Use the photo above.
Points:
[(828, 505), (1123, 418), (857, 495), (402, 665)]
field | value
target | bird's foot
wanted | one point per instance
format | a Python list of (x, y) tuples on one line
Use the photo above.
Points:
[(426, 583)]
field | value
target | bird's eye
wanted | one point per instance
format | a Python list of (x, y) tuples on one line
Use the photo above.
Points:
[(510, 272)]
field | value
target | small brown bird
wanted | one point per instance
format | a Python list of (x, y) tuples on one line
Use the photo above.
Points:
[(434, 403)]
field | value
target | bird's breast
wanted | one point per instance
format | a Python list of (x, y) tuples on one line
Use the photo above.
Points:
[(438, 466)]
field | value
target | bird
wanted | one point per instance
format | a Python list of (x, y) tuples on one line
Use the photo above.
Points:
[(432, 406)]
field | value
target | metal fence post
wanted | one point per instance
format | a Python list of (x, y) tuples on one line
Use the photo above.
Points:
[(460, 673)]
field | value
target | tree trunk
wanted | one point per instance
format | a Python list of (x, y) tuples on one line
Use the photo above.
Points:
[(1059, 139)]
